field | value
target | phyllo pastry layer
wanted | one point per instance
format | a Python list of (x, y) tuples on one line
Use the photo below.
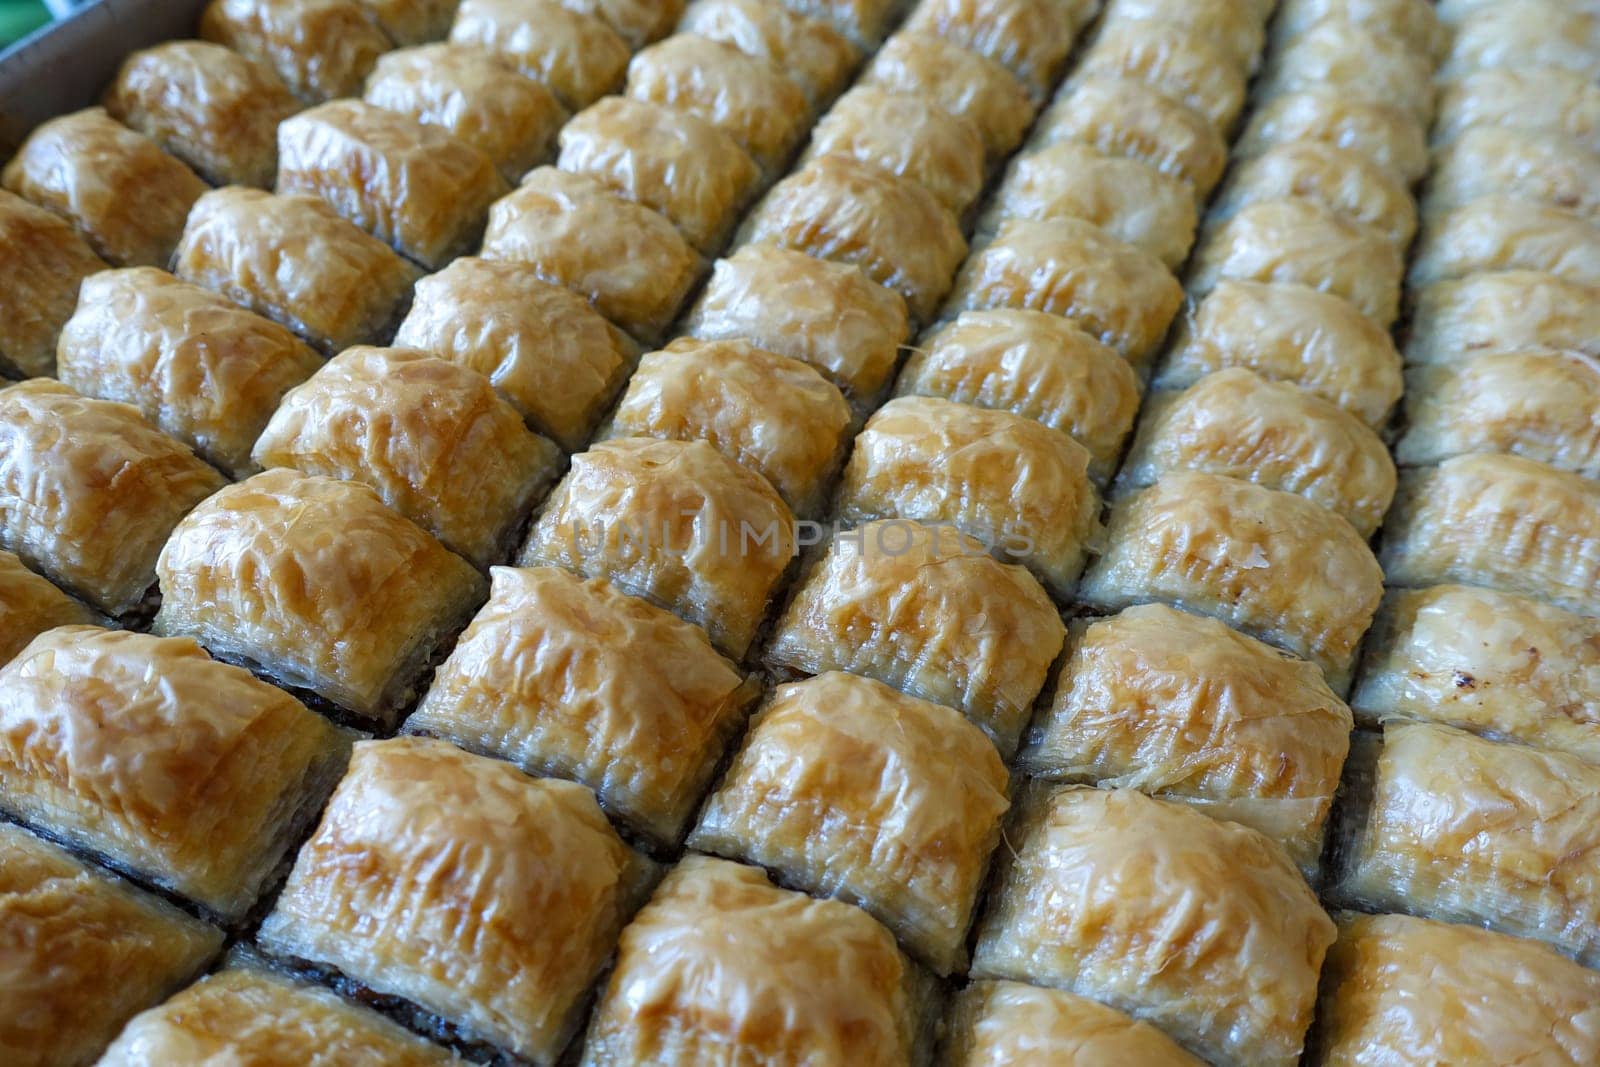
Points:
[(1184, 65), (1526, 33), (1136, 121), (1501, 233), (571, 52), (1412, 22), (1030, 38), (637, 22), (998, 1023), (962, 82), (45, 262), (1353, 187), (810, 52), (1373, 129), (1360, 62), (30, 605), (1506, 310), (321, 49), (1238, 29), (1542, 165), (863, 21), (1524, 98)]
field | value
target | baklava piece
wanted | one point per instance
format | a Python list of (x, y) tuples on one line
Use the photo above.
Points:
[(1523, 164), (485, 897), (1289, 333), (248, 1013), (1551, 34), (1501, 233), (1269, 563), (1275, 434), (1413, 23), (190, 773), (675, 522), (638, 22), (84, 952), (573, 679), (626, 260), (814, 55), (1202, 927), (30, 605), (1376, 130), (1500, 521), (1238, 29), (998, 1024), (1183, 707), (1036, 365), (674, 162), (1462, 319), (848, 788), (573, 53), (906, 135), (296, 261), (317, 583), (1303, 242), (962, 82), (205, 370), (748, 97), (1341, 56), (1172, 59), (1136, 121), (474, 95), (1522, 98), (1459, 828), (1005, 479), (773, 414), (1493, 663), (1130, 200), (1030, 38), (841, 209), (90, 491), (543, 348), (864, 22), (829, 315), (44, 262), (1116, 291), (722, 966), (1353, 187), (125, 195), (213, 108), (896, 601), (321, 49), (431, 436)]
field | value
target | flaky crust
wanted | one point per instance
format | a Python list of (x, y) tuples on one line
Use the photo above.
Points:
[(1269, 563), (1499, 233), (675, 522), (575, 54), (813, 54), (1030, 38), (45, 261), (83, 953), (125, 195), (321, 49), (1353, 187), (187, 771), (430, 436), (30, 605), (1235, 28), (963, 83), (1120, 293), (773, 414), (316, 582), (1526, 33), (625, 259), (863, 21), (1364, 63), (1459, 320), (851, 789), (996, 1024), (1413, 23), (89, 491), (483, 895), (638, 22), (1136, 121), (906, 135), (574, 679), (1526, 98), (200, 367), (1376, 130), (294, 260), (722, 967), (1540, 165), (1173, 59), (1202, 927), (895, 601)]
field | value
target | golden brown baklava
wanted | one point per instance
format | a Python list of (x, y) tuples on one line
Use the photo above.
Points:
[(45, 261)]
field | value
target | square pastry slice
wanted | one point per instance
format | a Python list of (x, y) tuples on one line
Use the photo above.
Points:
[(1352, 186), (675, 522), (84, 952), (810, 51), (294, 260), (851, 789), (30, 605), (476, 96), (1030, 38), (962, 82), (1543, 165), (1120, 293), (205, 370), (1523, 98), (1456, 827), (90, 491), (570, 51), (484, 897), (1500, 521), (190, 773), (248, 1013), (317, 583), (574, 679), (1033, 364), (1200, 926), (125, 195), (1489, 662), (1405, 990), (1131, 200), (1181, 706), (830, 315), (626, 260), (1275, 434), (1185, 65), (1459, 320), (773, 414), (995, 1023), (1500, 233), (44, 262), (724, 967), (1267, 562), (319, 48), (929, 611), (213, 108), (1377, 131), (1013, 483), (1288, 333), (544, 349), (674, 162), (431, 436), (864, 22), (1362, 63)]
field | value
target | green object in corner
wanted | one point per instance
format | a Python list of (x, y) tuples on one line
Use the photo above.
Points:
[(18, 18)]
